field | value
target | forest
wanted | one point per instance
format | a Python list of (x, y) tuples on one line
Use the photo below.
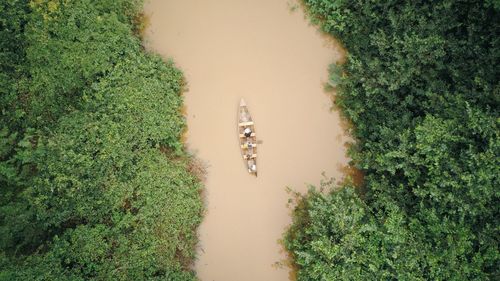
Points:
[(95, 182), (420, 87)]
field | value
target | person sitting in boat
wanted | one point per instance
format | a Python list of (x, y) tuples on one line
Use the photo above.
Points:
[(250, 144), (249, 150), (247, 132), (252, 168), (247, 145)]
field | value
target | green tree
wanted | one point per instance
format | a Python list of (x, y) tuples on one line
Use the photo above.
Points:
[(421, 88), (95, 181)]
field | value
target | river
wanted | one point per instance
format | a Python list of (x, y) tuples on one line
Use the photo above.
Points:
[(266, 52)]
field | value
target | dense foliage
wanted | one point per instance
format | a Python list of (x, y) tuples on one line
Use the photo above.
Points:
[(421, 88), (94, 180)]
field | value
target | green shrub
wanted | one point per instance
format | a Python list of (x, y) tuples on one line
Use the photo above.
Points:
[(421, 88), (95, 181)]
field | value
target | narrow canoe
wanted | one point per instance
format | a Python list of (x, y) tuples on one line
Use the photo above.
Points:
[(247, 140)]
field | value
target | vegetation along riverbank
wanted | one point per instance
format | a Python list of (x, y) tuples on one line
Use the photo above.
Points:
[(95, 183), (421, 88)]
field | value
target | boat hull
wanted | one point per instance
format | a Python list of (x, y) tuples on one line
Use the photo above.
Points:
[(247, 138)]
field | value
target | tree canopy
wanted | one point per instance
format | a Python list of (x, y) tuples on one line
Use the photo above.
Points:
[(421, 89), (95, 183)]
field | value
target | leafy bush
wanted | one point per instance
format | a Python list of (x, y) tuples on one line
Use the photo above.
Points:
[(421, 88), (95, 181), (336, 236)]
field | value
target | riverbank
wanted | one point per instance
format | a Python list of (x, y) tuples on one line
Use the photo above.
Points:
[(95, 183), (421, 89)]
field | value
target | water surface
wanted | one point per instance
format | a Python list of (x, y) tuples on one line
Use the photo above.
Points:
[(266, 52)]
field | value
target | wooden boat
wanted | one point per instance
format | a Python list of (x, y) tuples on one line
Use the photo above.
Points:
[(247, 139)]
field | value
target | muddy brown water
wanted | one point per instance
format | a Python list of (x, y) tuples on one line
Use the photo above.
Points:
[(266, 52)]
